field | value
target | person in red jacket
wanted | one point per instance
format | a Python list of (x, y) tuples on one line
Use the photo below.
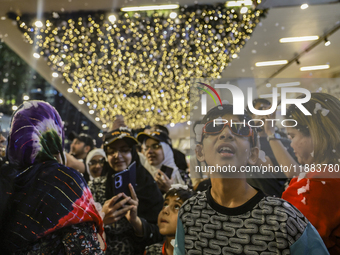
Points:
[(316, 143)]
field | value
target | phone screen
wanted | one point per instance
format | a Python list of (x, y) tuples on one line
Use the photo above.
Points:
[(167, 170)]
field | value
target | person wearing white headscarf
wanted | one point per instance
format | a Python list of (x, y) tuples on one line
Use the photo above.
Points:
[(158, 152), (95, 161)]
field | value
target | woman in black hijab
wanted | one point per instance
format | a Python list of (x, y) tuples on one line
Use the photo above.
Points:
[(119, 210)]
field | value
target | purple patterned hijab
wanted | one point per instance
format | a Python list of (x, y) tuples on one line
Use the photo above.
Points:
[(44, 196), (36, 135)]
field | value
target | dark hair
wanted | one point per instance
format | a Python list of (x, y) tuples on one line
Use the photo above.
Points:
[(261, 100), (163, 128), (183, 194), (220, 110)]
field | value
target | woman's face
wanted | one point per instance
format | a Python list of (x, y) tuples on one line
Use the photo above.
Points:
[(119, 155), (302, 146), (153, 152), (96, 165)]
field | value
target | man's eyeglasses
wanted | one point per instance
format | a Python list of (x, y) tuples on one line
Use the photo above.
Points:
[(123, 150), (236, 128), (154, 147), (95, 162)]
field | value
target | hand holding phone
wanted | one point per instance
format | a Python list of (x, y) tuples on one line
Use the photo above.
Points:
[(167, 170), (163, 182), (114, 209)]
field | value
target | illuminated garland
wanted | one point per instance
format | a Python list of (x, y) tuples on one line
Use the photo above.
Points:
[(140, 66)]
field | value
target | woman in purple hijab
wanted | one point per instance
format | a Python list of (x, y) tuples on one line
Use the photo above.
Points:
[(46, 207)]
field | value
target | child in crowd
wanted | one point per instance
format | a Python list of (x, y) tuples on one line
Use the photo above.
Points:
[(167, 219), (232, 217)]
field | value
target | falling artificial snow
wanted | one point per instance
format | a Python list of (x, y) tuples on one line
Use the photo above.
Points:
[(301, 176), (303, 189)]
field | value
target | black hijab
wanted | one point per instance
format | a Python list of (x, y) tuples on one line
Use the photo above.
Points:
[(149, 196)]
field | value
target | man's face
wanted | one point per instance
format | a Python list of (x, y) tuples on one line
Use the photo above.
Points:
[(77, 148)]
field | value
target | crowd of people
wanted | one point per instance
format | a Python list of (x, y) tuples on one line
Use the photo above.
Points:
[(135, 194)]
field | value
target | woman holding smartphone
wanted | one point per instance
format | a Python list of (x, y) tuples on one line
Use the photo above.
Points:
[(120, 211)]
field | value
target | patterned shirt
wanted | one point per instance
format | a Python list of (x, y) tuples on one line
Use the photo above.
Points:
[(155, 249), (263, 225)]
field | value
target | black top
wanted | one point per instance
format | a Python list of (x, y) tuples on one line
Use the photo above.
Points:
[(246, 207)]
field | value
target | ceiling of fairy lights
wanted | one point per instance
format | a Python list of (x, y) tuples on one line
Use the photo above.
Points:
[(139, 65)]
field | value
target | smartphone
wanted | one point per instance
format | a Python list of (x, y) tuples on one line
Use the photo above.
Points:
[(167, 170), (122, 179)]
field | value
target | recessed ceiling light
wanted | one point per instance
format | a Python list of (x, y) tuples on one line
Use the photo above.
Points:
[(91, 112), (69, 90), (299, 39), (288, 84), (55, 75), (239, 3), (36, 55), (304, 6), (150, 8), (97, 119), (311, 68), (271, 63)]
